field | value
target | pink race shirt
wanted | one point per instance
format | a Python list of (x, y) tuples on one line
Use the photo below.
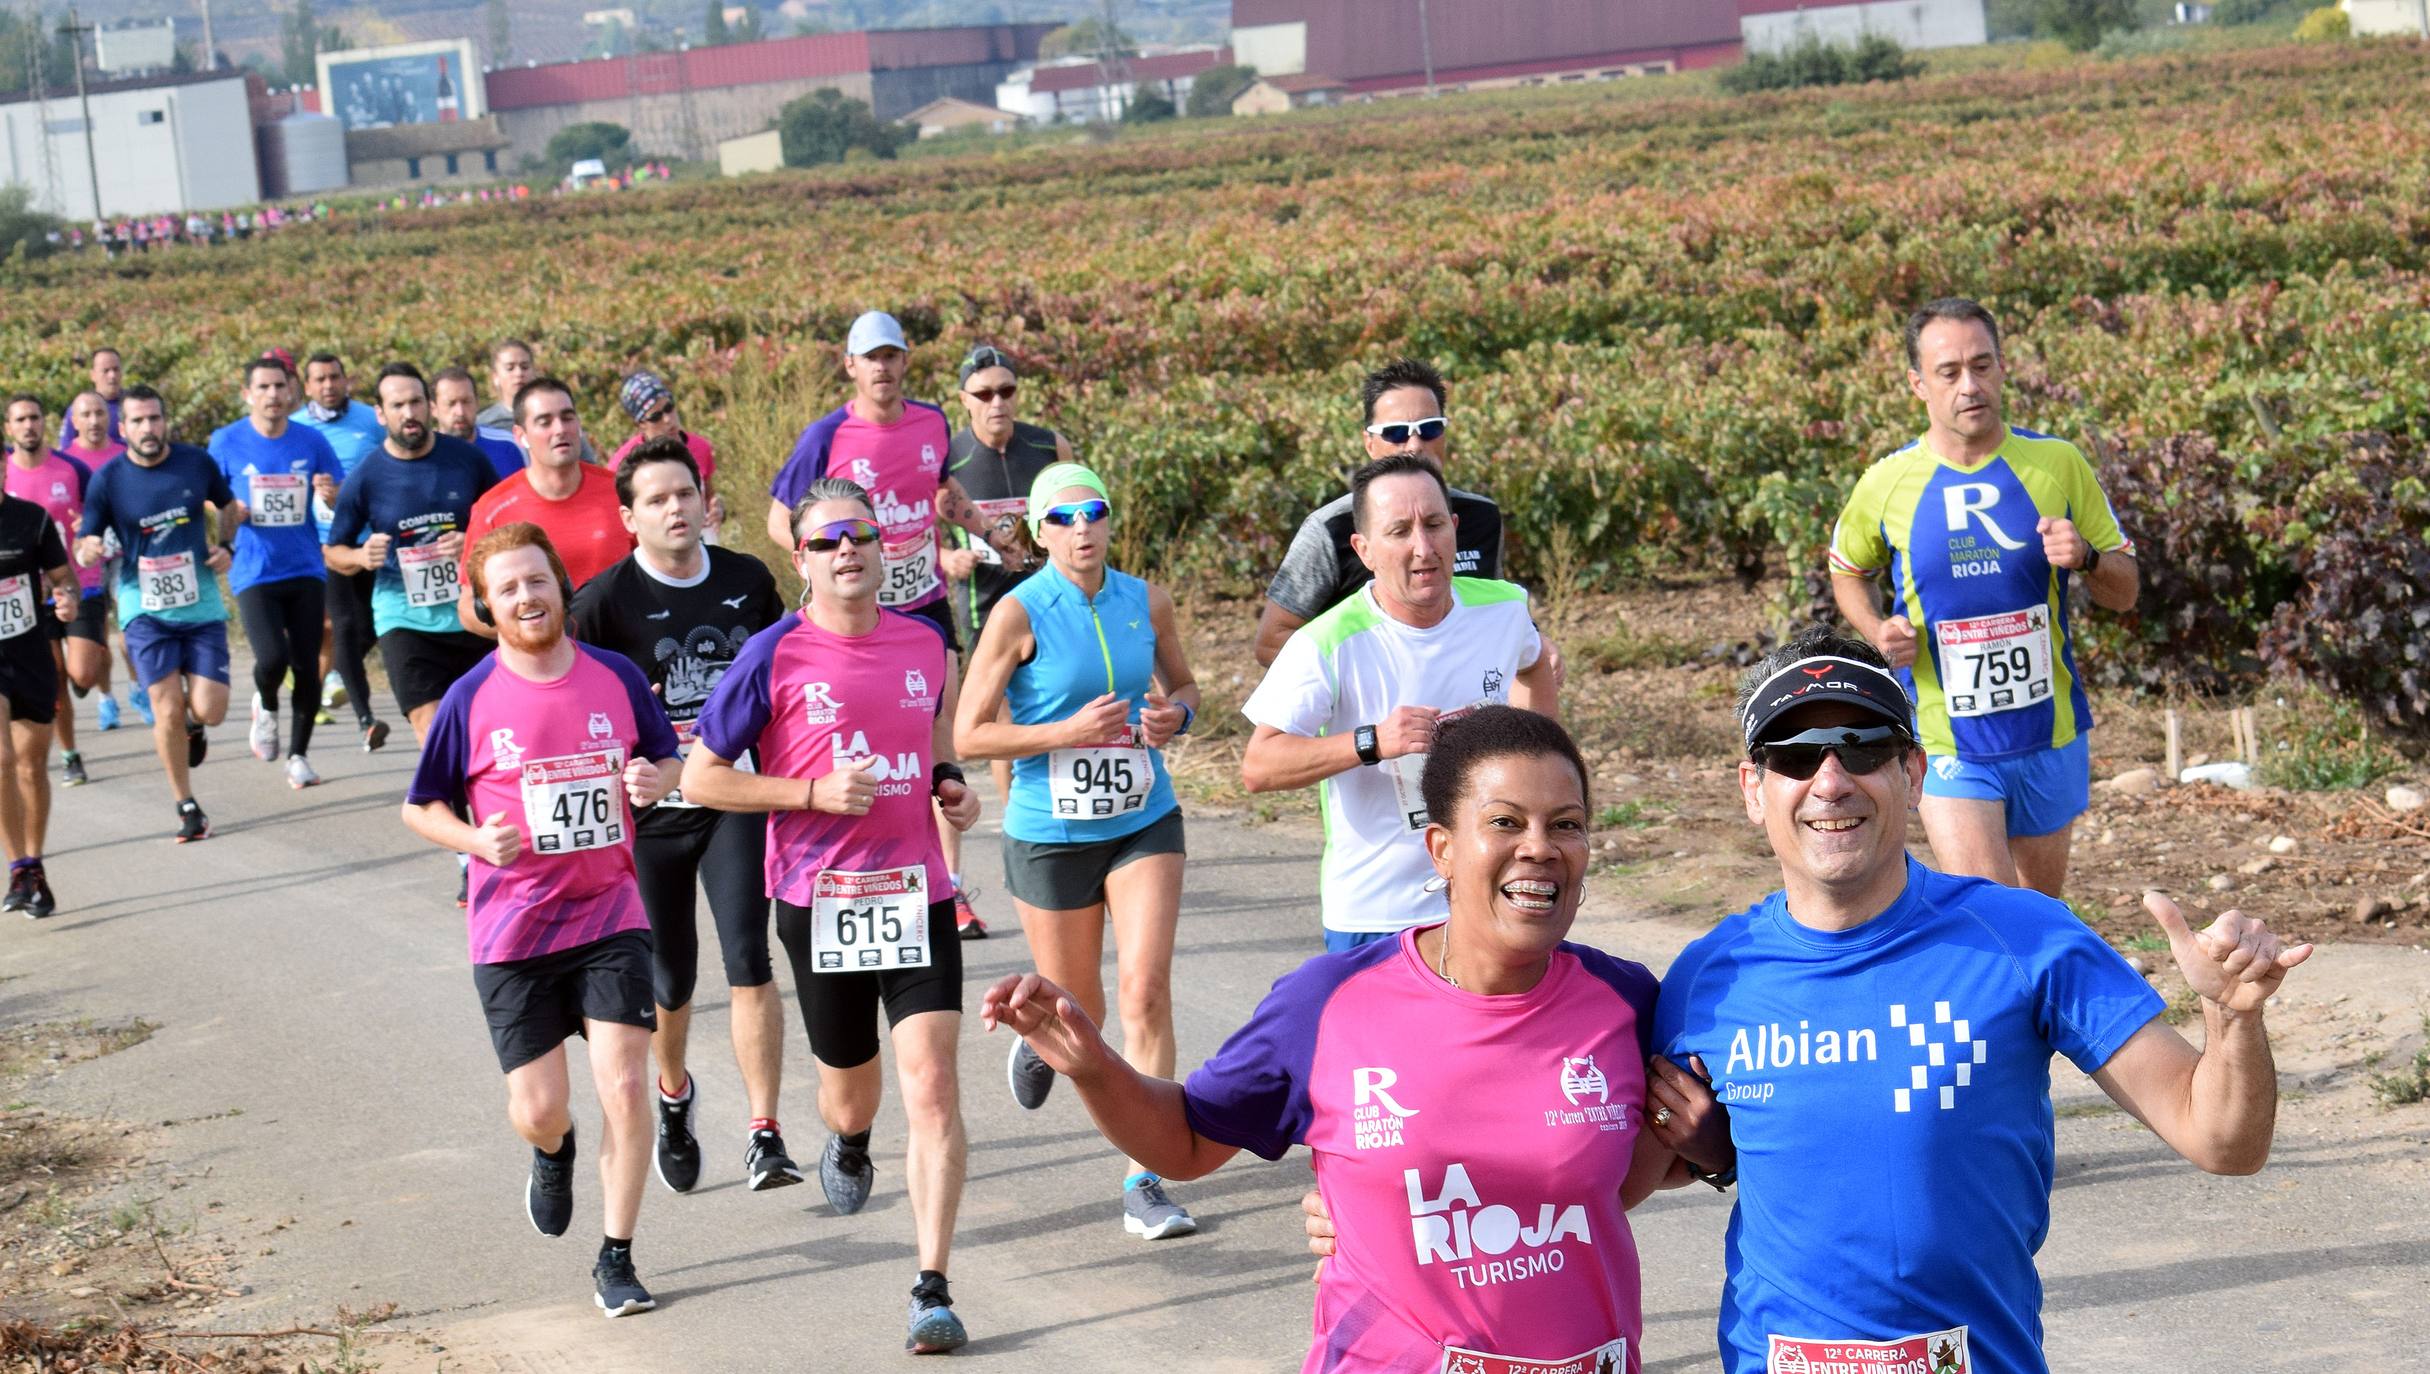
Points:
[(1470, 1150), (57, 485), (551, 755), (809, 700), (902, 466)]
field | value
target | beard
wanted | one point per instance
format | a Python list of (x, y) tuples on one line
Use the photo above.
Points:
[(527, 638), (149, 447), (410, 436)]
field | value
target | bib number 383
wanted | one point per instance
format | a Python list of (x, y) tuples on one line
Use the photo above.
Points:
[(869, 922), (574, 803), (911, 569), (1100, 781), (16, 606), (1995, 663), (1934, 1352), (430, 576), (167, 583)]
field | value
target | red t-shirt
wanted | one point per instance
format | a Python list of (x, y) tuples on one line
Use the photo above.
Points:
[(586, 527)]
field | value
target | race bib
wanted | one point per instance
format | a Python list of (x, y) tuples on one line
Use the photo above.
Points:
[(1611, 1357), (1936, 1352), (1409, 770), (994, 514), (571, 803), (911, 569), (1101, 780), (16, 606), (167, 583), (430, 576), (1995, 663), (869, 922), (279, 499)]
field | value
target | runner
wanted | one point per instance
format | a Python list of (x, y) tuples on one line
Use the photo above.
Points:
[(1981, 527), (455, 406), (854, 861), (34, 569), (401, 518), (554, 746), (649, 403), (894, 448), (108, 372), (1405, 404), (165, 503), (354, 433), (682, 611), (87, 650), (512, 364), (1469, 1069), (574, 501), (1354, 699), (279, 576), (57, 483), (1092, 833)]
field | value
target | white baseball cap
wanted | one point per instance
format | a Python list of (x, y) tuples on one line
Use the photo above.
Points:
[(874, 330)]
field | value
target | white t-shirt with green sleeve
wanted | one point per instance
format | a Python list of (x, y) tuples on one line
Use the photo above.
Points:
[(1353, 666)]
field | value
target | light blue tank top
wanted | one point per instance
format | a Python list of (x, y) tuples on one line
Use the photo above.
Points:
[(1085, 650)]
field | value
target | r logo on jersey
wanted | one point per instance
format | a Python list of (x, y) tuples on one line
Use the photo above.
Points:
[(1962, 502), (818, 704), (862, 473), (503, 751)]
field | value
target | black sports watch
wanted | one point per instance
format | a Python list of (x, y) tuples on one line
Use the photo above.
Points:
[(1364, 738), (1720, 1179), (942, 770), (2092, 560)]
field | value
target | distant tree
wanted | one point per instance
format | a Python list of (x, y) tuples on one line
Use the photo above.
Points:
[(501, 23), (2324, 25), (610, 143), (1812, 62), (2080, 24), (713, 26), (1149, 106), (1091, 37), (750, 30), (1214, 89), (302, 38), (24, 231), (826, 125)]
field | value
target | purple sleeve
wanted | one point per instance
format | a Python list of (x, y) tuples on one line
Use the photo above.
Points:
[(657, 735), (96, 506), (1635, 984), (1253, 1095), (737, 710), (440, 776), (808, 462)]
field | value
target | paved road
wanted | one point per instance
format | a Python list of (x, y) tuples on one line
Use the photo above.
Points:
[(307, 969)]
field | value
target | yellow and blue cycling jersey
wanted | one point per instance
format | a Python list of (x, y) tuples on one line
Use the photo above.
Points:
[(1995, 665)]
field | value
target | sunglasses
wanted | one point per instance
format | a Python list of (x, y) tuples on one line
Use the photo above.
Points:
[(859, 533), (1861, 751), (1078, 513), (1398, 431), (985, 394), (664, 412)]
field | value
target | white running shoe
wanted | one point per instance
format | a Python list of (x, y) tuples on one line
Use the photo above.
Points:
[(265, 731), (300, 774)]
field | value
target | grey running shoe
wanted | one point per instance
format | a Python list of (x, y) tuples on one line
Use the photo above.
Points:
[(845, 1173), (620, 1290), (934, 1327), (72, 768), (264, 735), (1150, 1215), (1030, 1078), (548, 1198)]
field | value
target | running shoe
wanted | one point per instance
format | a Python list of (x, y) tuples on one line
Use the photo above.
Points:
[(678, 1149), (107, 712), (265, 731), (192, 824), (620, 1290), (1150, 1215), (765, 1160), (333, 689), (1031, 1079), (845, 1174), (39, 901), (71, 769), (198, 744), (20, 892), (143, 706), (548, 1198), (375, 734), (934, 1327), (966, 917), (463, 888), (300, 774), (322, 717)]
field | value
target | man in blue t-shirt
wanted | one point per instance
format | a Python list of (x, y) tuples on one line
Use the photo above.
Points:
[(354, 433), (166, 503), (1873, 1000)]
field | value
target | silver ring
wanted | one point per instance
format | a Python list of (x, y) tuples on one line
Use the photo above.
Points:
[(1662, 1116)]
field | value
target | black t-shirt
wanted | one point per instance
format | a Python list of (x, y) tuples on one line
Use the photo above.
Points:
[(988, 476), (683, 638), (29, 547), (1320, 569)]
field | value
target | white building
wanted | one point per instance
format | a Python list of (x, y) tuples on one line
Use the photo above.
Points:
[(161, 144), (135, 46), (2375, 18), (1083, 91), (1771, 25)]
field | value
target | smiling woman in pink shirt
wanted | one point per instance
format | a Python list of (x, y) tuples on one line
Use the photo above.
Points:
[(1473, 1093)]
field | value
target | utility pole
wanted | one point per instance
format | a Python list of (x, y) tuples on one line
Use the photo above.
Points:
[(210, 62), (1426, 47), (75, 29)]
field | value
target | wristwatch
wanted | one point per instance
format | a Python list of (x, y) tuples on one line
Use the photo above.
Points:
[(1364, 738), (2092, 560), (943, 770), (1720, 1179)]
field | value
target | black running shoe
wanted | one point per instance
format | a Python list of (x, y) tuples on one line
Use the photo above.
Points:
[(39, 902), (845, 1174), (620, 1290), (71, 769), (198, 744), (20, 892), (375, 734), (768, 1164), (192, 824), (678, 1149), (548, 1198)]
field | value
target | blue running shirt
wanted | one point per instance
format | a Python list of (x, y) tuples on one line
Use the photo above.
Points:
[(158, 515), (414, 502), (273, 477)]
